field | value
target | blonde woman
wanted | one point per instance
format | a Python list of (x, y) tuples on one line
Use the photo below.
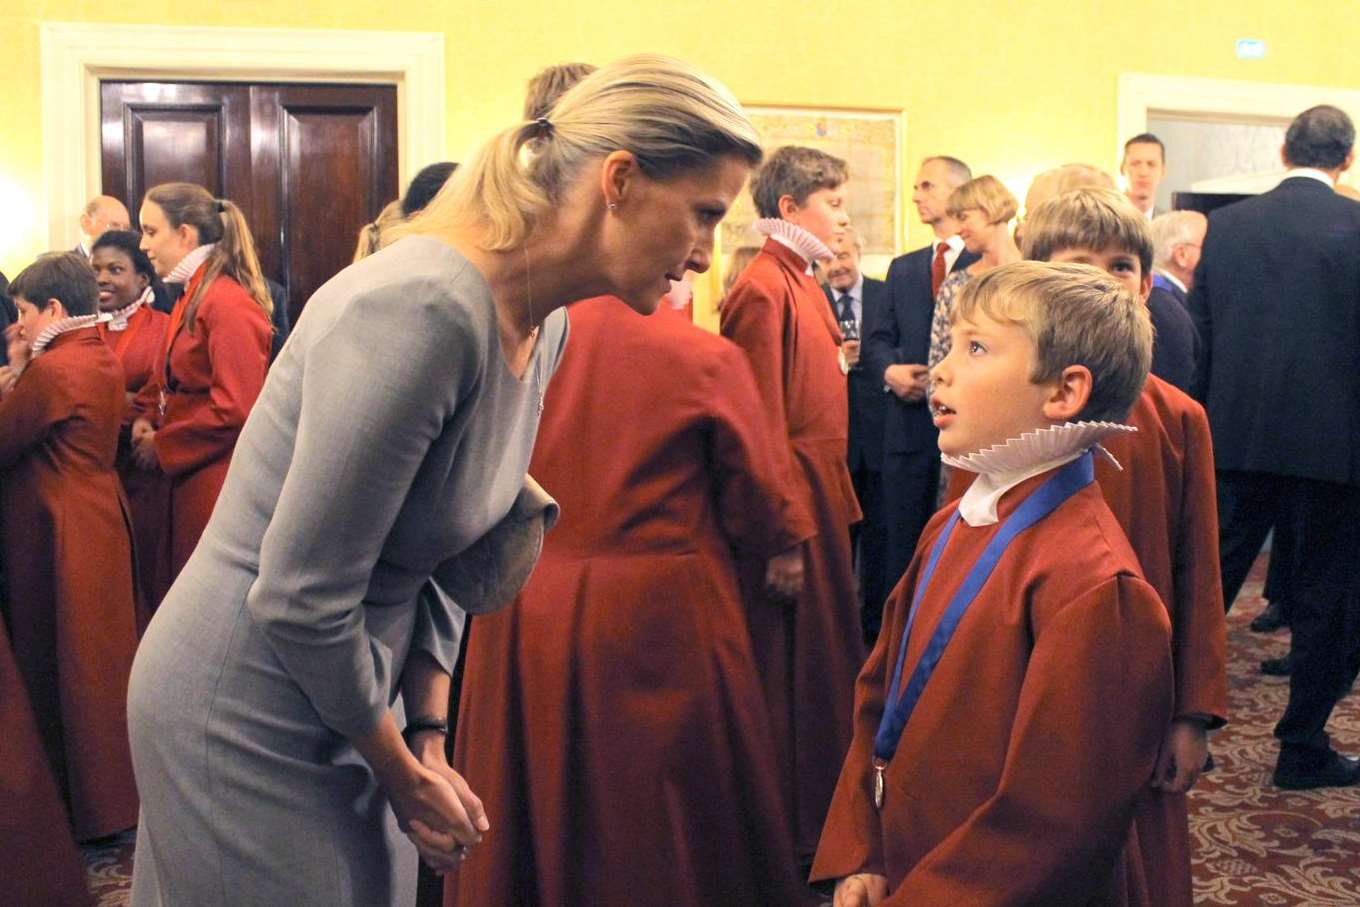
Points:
[(983, 208), (389, 450), (371, 234)]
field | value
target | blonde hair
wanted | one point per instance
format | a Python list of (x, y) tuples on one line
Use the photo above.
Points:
[(667, 113), (372, 235), (218, 221), (550, 84), (987, 194), (1095, 219), (1055, 182), (1076, 315), (738, 261)]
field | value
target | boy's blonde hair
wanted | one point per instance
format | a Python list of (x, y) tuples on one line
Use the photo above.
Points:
[(988, 195), (1076, 315), (1090, 218), (672, 117), (797, 172)]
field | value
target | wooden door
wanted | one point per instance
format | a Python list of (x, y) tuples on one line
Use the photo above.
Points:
[(307, 164)]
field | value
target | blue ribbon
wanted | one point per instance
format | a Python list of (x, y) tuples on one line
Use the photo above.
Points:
[(1066, 482)]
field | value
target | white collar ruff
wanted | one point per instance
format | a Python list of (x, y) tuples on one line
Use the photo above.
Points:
[(1003, 466), (64, 326), (118, 320), (189, 264), (795, 237)]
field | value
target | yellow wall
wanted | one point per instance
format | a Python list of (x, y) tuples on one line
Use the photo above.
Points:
[(1012, 87)]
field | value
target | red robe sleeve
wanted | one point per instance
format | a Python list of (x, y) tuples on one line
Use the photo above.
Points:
[(1098, 681), (1199, 631), (34, 405), (754, 319), (757, 510), (238, 353)]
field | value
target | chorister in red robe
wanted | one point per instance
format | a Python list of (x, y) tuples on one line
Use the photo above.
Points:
[(136, 340), (1165, 500), (68, 561), (39, 863), (213, 375), (809, 650), (612, 719), (1017, 776)]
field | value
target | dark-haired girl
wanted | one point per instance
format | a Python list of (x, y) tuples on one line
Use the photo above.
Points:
[(128, 287), (214, 357)]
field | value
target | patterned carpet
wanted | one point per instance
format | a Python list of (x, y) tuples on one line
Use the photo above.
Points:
[(1256, 846)]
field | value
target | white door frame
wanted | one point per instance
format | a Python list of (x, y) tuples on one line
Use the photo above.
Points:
[(1140, 94), (76, 56)]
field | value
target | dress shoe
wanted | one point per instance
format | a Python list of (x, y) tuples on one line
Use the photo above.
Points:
[(1278, 667), (1336, 771), (1270, 619)]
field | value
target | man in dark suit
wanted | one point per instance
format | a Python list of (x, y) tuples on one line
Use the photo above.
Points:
[(896, 343), (853, 297), (1277, 303)]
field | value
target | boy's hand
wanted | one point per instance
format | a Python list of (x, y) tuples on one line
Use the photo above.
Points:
[(863, 889), (1182, 757), (784, 573)]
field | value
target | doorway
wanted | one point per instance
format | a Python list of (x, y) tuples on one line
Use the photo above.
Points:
[(308, 164)]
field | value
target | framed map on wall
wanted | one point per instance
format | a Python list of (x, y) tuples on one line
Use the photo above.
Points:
[(869, 141)]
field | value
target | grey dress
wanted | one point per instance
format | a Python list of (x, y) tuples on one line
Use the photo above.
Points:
[(390, 436)]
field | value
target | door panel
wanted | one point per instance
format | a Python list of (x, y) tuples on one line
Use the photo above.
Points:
[(307, 164)]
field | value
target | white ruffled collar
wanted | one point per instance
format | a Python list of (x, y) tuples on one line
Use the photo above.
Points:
[(118, 320), (796, 238), (1003, 466), (63, 326), (189, 264)]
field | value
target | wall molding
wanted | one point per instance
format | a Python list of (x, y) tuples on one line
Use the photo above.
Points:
[(76, 56)]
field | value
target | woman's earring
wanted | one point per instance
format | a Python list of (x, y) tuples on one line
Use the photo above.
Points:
[(613, 205)]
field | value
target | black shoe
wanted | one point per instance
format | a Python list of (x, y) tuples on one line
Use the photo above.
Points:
[(1278, 667), (1270, 620), (1336, 771)]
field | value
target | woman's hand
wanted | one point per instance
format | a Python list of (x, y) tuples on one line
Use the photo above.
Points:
[(784, 573), (864, 889), (143, 438), (442, 851), (8, 378)]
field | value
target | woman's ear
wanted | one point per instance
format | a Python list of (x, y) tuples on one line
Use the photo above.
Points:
[(1070, 394), (620, 168), (143, 282)]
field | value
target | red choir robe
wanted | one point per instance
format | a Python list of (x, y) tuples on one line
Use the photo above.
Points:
[(215, 374), (1017, 776), (67, 550), (611, 719), (39, 863), (1166, 503), (148, 491), (810, 650)]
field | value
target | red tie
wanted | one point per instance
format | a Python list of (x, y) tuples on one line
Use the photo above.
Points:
[(937, 269)]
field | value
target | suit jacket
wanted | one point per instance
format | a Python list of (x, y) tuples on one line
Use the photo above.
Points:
[(899, 332), (1175, 348), (1160, 282), (1277, 303), (868, 402)]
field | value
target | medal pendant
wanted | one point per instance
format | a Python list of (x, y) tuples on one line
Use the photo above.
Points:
[(879, 766)]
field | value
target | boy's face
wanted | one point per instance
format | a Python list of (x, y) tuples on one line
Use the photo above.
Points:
[(823, 215), (983, 394), (1122, 265), (33, 318)]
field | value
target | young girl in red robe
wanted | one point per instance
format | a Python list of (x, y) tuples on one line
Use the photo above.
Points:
[(1010, 716), (806, 637), (67, 546), (213, 361), (135, 331)]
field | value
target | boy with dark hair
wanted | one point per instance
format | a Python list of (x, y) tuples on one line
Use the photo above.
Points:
[(1009, 718), (66, 544), (808, 650), (1164, 498)]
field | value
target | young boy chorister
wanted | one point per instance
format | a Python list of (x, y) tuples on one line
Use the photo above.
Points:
[(1009, 718), (1164, 498), (808, 650)]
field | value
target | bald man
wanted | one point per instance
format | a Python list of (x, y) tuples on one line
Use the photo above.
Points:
[(102, 213)]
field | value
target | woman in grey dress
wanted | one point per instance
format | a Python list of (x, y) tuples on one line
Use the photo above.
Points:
[(382, 467)]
